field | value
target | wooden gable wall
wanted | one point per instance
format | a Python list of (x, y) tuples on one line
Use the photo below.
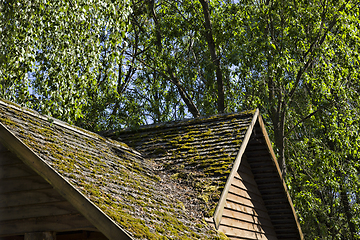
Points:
[(30, 204), (272, 188), (245, 215), (256, 203)]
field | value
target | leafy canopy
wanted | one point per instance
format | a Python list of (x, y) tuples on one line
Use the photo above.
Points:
[(111, 64)]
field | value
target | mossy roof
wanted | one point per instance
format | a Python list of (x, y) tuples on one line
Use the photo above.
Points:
[(197, 152), (126, 185)]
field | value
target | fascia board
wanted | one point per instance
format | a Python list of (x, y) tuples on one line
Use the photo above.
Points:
[(88, 209), (220, 206)]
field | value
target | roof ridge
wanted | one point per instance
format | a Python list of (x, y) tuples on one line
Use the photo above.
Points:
[(182, 122), (52, 120)]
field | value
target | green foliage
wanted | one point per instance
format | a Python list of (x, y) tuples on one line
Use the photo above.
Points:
[(57, 56), (112, 64)]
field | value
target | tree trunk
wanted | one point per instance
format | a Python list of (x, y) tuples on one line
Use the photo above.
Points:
[(157, 29), (278, 119), (184, 95), (347, 210), (215, 59), (277, 114)]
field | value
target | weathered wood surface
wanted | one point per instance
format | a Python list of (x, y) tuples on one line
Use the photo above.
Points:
[(15, 171), (240, 207), (40, 236), (245, 194), (261, 228), (243, 185), (22, 184), (237, 232), (29, 204), (73, 235), (63, 223), (245, 214), (23, 198), (17, 237), (245, 175), (36, 210), (242, 218), (7, 158), (3, 148), (244, 201), (84, 235)]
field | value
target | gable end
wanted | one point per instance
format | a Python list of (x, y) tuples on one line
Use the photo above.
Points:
[(255, 201)]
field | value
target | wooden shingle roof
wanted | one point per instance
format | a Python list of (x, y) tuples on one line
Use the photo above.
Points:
[(113, 186), (206, 153), (175, 180), (198, 151)]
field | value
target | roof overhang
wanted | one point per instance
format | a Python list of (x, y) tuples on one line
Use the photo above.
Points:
[(89, 210)]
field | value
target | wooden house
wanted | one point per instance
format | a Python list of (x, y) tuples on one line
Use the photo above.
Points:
[(205, 178)]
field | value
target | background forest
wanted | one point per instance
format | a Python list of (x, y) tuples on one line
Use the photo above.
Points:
[(112, 64)]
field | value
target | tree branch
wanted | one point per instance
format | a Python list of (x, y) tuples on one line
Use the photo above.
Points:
[(214, 57), (174, 80), (307, 117), (302, 120)]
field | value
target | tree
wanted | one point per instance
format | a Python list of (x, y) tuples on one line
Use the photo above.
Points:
[(53, 54), (117, 64), (302, 73)]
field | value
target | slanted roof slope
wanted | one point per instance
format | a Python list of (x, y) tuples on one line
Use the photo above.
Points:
[(198, 151), (202, 153), (107, 174)]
